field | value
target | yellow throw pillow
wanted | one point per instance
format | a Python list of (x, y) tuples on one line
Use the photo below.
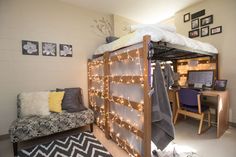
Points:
[(55, 100)]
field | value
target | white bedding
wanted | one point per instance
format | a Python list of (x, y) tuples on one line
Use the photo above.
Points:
[(157, 34)]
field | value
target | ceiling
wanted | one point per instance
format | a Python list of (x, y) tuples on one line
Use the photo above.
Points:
[(142, 11)]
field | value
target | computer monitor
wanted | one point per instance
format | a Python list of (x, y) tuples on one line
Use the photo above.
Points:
[(200, 78)]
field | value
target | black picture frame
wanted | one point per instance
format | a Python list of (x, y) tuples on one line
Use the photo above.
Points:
[(186, 17), (216, 30), (193, 33), (207, 20), (195, 23), (49, 49), (65, 50), (30, 47), (198, 14), (205, 31)]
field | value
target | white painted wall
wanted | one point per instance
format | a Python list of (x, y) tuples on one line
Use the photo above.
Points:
[(42, 20)]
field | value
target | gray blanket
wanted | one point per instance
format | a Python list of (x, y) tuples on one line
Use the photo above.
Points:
[(169, 75), (162, 126)]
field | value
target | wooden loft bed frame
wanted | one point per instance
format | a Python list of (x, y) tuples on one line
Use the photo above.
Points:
[(163, 53)]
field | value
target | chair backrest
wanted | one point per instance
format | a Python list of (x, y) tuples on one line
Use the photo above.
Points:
[(188, 97)]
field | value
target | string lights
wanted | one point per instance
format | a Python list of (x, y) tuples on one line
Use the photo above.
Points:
[(106, 80)]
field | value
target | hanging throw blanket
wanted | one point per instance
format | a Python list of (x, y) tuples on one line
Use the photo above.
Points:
[(169, 75), (162, 126)]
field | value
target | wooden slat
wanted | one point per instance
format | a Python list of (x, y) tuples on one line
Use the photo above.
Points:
[(97, 108), (95, 63), (106, 92), (147, 100), (125, 102), (89, 81), (128, 79), (127, 55), (126, 125), (96, 78), (125, 145), (97, 93)]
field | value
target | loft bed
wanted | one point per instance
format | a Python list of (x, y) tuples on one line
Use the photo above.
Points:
[(118, 87)]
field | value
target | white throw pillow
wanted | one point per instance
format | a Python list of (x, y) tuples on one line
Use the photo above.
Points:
[(35, 103)]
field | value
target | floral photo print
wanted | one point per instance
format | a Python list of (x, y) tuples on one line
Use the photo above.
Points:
[(49, 49), (30, 47), (65, 50)]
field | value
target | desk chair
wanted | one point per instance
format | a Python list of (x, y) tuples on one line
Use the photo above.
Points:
[(189, 104)]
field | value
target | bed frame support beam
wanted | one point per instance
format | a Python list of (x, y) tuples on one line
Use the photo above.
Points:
[(147, 101)]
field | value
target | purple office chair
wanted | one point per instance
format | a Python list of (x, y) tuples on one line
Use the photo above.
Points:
[(189, 104)]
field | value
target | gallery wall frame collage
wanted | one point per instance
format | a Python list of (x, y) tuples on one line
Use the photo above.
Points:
[(48, 49), (200, 26)]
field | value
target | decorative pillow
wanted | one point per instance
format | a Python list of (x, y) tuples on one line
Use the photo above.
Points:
[(110, 39), (35, 103), (55, 101), (73, 100)]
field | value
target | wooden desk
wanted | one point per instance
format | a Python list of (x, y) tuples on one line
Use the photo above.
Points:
[(222, 109)]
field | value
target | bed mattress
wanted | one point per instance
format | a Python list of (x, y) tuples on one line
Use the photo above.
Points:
[(157, 34)]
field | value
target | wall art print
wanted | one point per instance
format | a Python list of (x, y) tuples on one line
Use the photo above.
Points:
[(193, 33), (49, 49), (30, 47), (207, 20), (65, 50), (216, 30), (204, 31), (187, 17)]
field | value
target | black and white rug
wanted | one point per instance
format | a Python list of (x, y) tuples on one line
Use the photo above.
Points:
[(81, 145)]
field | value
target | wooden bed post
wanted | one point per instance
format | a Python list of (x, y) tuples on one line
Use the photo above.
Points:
[(89, 82), (217, 67), (147, 100), (106, 91)]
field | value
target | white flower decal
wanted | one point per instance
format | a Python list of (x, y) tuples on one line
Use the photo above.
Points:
[(49, 49), (30, 47), (66, 50)]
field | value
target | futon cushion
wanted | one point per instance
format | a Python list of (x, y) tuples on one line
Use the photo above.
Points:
[(73, 100), (34, 103), (55, 101), (33, 126)]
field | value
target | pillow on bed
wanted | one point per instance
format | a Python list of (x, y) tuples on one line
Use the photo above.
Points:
[(169, 28), (34, 103), (73, 100), (111, 39)]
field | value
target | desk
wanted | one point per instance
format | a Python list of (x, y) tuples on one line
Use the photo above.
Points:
[(222, 107)]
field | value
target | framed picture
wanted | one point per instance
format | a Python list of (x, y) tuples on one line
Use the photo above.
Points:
[(30, 47), (195, 23), (65, 50), (216, 30), (204, 31), (49, 49), (207, 20), (187, 17), (193, 33)]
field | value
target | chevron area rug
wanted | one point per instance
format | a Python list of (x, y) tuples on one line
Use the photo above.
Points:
[(81, 145)]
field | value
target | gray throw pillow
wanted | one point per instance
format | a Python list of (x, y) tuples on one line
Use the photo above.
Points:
[(110, 39), (73, 100)]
